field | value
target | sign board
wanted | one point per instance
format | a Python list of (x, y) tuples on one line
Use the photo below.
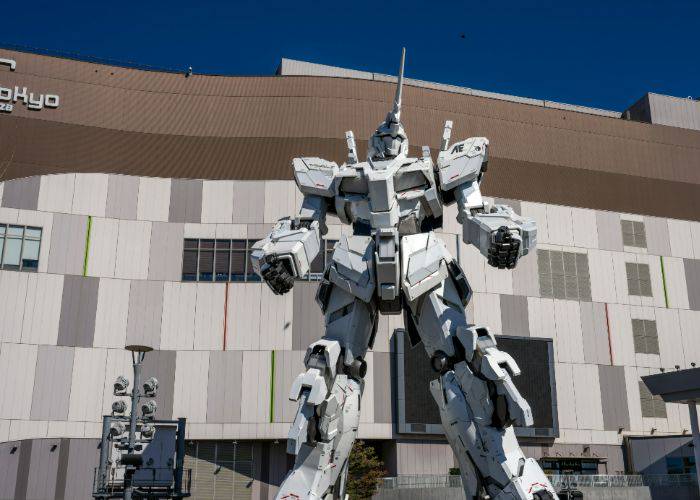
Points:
[(11, 96)]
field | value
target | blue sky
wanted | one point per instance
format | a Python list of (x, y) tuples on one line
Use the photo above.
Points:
[(596, 53)]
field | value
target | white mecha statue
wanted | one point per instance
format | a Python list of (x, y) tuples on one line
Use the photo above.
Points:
[(393, 263)]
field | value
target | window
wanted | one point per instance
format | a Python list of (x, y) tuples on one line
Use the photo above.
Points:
[(680, 465), (652, 406), (19, 247), (646, 339), (633, 234), (638, 279), (564, 275), (229, 260)]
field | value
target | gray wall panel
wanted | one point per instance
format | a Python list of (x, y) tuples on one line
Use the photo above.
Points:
[(514, 316), (383, 401), (658, 240), (308, 324), (9, 463), (161, 365), (67, 253), (613, 393), (165, 262), (25, 459), (248, 197), (596, 348), (692, 280), (145, 312), (54, 370), (224, 386), (43, 468), (186, 201), (62, 471), (22, 193), (288, 365), (609, 231), (122, 197), (76, 327), (82, 459)]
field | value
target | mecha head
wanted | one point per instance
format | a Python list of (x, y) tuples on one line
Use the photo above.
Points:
[(390, 140)]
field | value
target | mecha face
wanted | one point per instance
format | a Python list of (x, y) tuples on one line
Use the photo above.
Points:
[(388, 141)]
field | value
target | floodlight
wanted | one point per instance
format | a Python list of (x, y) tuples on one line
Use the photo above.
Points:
[(150, 387), (119, 406), (149, 408), (147, 431), (121, 385), (117, 429)]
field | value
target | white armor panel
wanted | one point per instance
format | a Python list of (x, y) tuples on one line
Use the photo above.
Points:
[(423, 265), (315, 176), (352, 268), (462, 162)]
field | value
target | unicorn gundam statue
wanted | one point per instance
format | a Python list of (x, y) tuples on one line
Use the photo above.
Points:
[(393, 263)]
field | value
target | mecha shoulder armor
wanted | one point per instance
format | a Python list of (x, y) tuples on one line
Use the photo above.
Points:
[(462, 162), (315, 176)]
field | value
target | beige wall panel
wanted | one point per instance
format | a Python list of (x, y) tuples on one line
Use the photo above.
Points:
[(280, 200), (165, 262), (133, 250), (621, 338), (102, 255), (537, 211), (13, 293), (585, 230), (231, 231), (112, 313), (609, 230), (196, 230), (602, 272), (658, 240), (23, 429), (145, 313), (498, 280), (695, 236), (668, 328), (248, 197), (177, 328), (559, 225), (487, 311), (589, 412), (689, 321), (42, 309), (118, 362), (217, 201), (367, 401), (90, 194), (568, 345), (209, 316), (243, 319), (450, 224), (525, 276), (681, 239), (45, 222), (474, 266), (423, 457), (67, 253), (87, 386), (56, 193), (622, 295), (191, 379), (17, 370), (153, 203), (276, 314), (676, 286), (256, 382), (541, 320)]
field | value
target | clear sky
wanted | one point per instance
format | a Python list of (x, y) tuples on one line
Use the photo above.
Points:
[(604, 54)]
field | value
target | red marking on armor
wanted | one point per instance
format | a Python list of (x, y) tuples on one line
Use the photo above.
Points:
[(291, 495), (320, 185), (455, 175)]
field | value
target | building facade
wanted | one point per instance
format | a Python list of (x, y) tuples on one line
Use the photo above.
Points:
[(128, 205)]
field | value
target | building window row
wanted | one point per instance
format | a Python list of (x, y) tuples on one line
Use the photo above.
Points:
[(633, 234), (638, 279), (221, 260), (19, 247), (564, 275), (652, 406), (646, 338)]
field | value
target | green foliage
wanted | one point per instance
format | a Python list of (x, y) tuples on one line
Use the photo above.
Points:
[(454, 471), (365, 470)]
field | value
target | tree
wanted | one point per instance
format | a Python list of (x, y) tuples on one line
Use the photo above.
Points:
[(365, 470)]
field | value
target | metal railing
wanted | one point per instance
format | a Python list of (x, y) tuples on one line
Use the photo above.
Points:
[(147, 479), (558, 481)]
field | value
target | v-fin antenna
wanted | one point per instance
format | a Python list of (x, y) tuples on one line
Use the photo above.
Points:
[(396, 112)]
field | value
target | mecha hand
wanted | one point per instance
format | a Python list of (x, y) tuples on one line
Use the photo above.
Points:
[(505, 247), (277, 274)]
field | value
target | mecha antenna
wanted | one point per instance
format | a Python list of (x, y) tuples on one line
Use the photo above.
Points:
[(395, 115)]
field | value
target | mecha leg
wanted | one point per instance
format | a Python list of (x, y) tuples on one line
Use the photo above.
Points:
[(477, 399), (329, 394)]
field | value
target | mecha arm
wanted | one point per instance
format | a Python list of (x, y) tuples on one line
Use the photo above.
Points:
[(500, 234)]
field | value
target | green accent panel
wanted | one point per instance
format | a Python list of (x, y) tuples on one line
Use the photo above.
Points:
[(272, 386), (663, 280), (87, 245)]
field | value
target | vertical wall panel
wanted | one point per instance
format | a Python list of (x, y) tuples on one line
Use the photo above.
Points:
[(602, 272), (17, 370), (165, 262), (102, 253), (276, 313), (383, 393), (43, 468), (13, 293), (689, 321), (499, 280), (243, 319), (621, 335), (594, 329), (83, 456), (133, 250), (153, 199), (54, 371), (585, 228), (21, 193), (90, 195), (67, 254), (185, 201), (487, 311), (613, 392), (191, 379), (224, 387), (525, 277), (658, 239), (42, 309), (177, 326), (9, 463), (680, 238), (145, 313), (668, 329), (609, 231), (541, 317), (217, 201), (589, 412), (568, 345), (280, 200), (86, 394), (78, 311), (112, 313), (566, 403), (56, 193), (537, 211), (122, 196), (514, 315), (255, 386), (676, 286), (692, 279), (209, 316), (162, 366), (559, 225), (248, 197), (367, 401)]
